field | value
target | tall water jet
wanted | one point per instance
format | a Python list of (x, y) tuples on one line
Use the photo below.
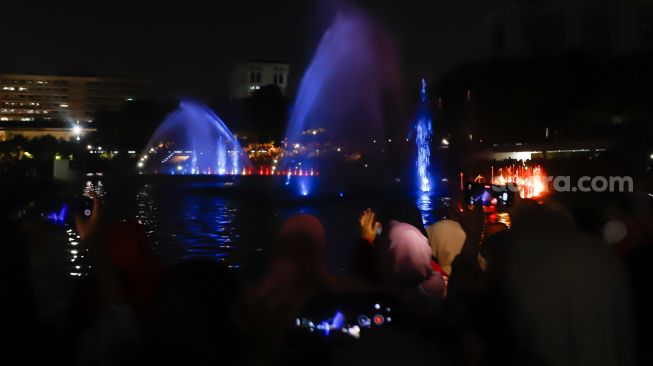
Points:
[(344, 96), (193, 140), (423, 129)]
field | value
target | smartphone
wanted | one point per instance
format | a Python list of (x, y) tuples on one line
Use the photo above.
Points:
[(487, 194), (346, 315), (83, 206)]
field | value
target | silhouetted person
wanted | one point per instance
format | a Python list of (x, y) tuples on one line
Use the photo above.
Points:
[(567, 293), (296, 272), (193, 321)]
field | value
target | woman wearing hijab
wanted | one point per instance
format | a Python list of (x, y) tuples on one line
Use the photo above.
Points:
[(410, 264), (446, 238)]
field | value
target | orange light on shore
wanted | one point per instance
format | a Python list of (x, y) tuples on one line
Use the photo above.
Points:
[(531, 181)]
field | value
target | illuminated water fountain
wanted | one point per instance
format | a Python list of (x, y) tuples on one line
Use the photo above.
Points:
[(343, 97), (531, 182), (422, 131), (193, 140)]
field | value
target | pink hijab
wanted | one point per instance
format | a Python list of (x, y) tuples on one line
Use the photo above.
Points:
[(410, 259)]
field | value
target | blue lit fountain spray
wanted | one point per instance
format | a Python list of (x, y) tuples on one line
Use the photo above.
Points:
[(423, 130)]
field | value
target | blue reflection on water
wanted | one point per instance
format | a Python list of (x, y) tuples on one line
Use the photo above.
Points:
[(191, 225), (61, 216), (426, 206), (208, 227)]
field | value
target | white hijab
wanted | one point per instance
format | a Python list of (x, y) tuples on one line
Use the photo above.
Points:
[(446, 238)]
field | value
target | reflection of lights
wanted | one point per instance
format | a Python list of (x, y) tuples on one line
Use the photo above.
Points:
[(425, 207), (354, 331), (304, 189), (364, 321)]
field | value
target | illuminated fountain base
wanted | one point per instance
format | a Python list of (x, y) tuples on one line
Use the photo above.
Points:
[(193, 141)]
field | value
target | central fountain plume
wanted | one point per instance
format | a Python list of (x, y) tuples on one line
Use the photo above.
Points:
[(423, 130), (345, 94), (193, 140)]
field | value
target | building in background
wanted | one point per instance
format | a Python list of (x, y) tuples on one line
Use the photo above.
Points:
[(64, 98), (251, 76)]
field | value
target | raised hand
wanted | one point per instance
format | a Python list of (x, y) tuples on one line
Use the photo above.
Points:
[(368, 226), (86, 228)]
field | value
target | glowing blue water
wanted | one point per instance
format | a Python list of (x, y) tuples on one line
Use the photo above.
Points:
[(193, 140), (61, 216), (349, 84), (340, 95), (423, 130)]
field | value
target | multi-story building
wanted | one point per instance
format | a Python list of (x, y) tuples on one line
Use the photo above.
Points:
[(64, 98), (249, 77)]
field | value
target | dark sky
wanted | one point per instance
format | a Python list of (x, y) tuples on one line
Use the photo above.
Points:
[(190, 49)]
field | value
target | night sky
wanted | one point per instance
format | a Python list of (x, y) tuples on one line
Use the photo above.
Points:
[(189, 50)]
